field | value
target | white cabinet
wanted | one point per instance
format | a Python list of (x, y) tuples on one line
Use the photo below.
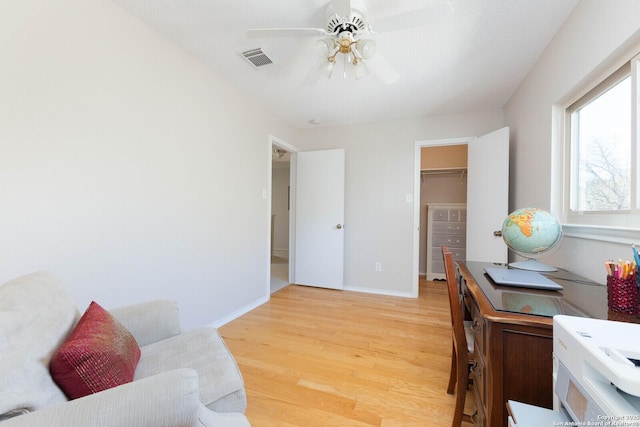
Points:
[(446, 225)]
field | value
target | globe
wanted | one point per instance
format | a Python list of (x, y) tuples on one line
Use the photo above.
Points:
[(531, 232)]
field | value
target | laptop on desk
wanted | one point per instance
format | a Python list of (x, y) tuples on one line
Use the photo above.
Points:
[(521, 278)]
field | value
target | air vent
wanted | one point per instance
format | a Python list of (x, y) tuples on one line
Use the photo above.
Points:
[(257, 57)]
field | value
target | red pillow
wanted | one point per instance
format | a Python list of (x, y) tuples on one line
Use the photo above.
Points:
[(99, 354)]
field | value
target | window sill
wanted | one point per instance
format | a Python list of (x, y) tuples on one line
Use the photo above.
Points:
[(605, 234)]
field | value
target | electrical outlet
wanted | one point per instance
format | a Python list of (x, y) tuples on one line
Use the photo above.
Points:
[(378, 266)]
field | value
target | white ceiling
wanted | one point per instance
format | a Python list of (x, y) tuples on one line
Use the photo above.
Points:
[(472, 61)]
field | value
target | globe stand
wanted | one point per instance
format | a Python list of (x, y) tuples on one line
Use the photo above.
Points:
[(532, 265)]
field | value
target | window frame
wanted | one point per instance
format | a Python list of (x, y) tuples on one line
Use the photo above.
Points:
[(601, 225)]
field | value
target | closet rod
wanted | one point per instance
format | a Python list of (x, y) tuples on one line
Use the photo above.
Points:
[(443, 172)]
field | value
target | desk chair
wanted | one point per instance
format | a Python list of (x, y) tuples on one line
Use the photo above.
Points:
[(462, 352)]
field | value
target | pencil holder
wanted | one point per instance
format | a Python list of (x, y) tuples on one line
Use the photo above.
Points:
[(622, 294)]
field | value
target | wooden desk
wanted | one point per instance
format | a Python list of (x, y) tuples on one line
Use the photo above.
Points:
[(514, 335)]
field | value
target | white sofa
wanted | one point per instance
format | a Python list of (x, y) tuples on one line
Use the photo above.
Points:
[(181, 379)]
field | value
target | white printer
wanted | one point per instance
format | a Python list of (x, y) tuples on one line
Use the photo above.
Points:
[(596, 375)]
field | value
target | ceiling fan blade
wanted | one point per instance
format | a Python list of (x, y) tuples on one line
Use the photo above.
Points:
[(381, 68), (316, 73), (432, 15), (286, 32), (342, 8)]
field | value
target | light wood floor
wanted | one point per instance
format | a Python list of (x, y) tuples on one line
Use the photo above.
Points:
[(318, 357)]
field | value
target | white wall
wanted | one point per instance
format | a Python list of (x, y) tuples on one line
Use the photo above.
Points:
[(116, 150), (380, 168), (585, 44)]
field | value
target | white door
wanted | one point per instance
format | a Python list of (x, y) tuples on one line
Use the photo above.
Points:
[(319, 219), (487, 196)]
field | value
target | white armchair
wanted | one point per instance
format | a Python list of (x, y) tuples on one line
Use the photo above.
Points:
[(182, 378)]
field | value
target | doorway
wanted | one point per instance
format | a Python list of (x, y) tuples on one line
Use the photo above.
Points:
[(280, 217), (443, 192), (487, 197)]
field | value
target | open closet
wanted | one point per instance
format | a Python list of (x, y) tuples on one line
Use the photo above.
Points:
[(443, 198)]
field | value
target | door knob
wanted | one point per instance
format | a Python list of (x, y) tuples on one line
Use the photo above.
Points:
[(497, 233), (339, 226)]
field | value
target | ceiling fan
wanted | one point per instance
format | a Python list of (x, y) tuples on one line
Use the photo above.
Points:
[(347, 33)]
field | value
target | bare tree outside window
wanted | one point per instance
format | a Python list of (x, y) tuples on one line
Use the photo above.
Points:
[(607, 183), (603, 146)]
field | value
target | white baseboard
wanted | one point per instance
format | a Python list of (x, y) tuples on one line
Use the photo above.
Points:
[(244, 310), (281, 252), (379, 292), (247, 308)]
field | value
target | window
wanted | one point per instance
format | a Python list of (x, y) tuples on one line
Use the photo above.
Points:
[(601, 138)]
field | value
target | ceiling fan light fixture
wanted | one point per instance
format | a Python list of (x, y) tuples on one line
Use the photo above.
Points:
[(366, 48), (323, 47), (344, 44), (279, 153)]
